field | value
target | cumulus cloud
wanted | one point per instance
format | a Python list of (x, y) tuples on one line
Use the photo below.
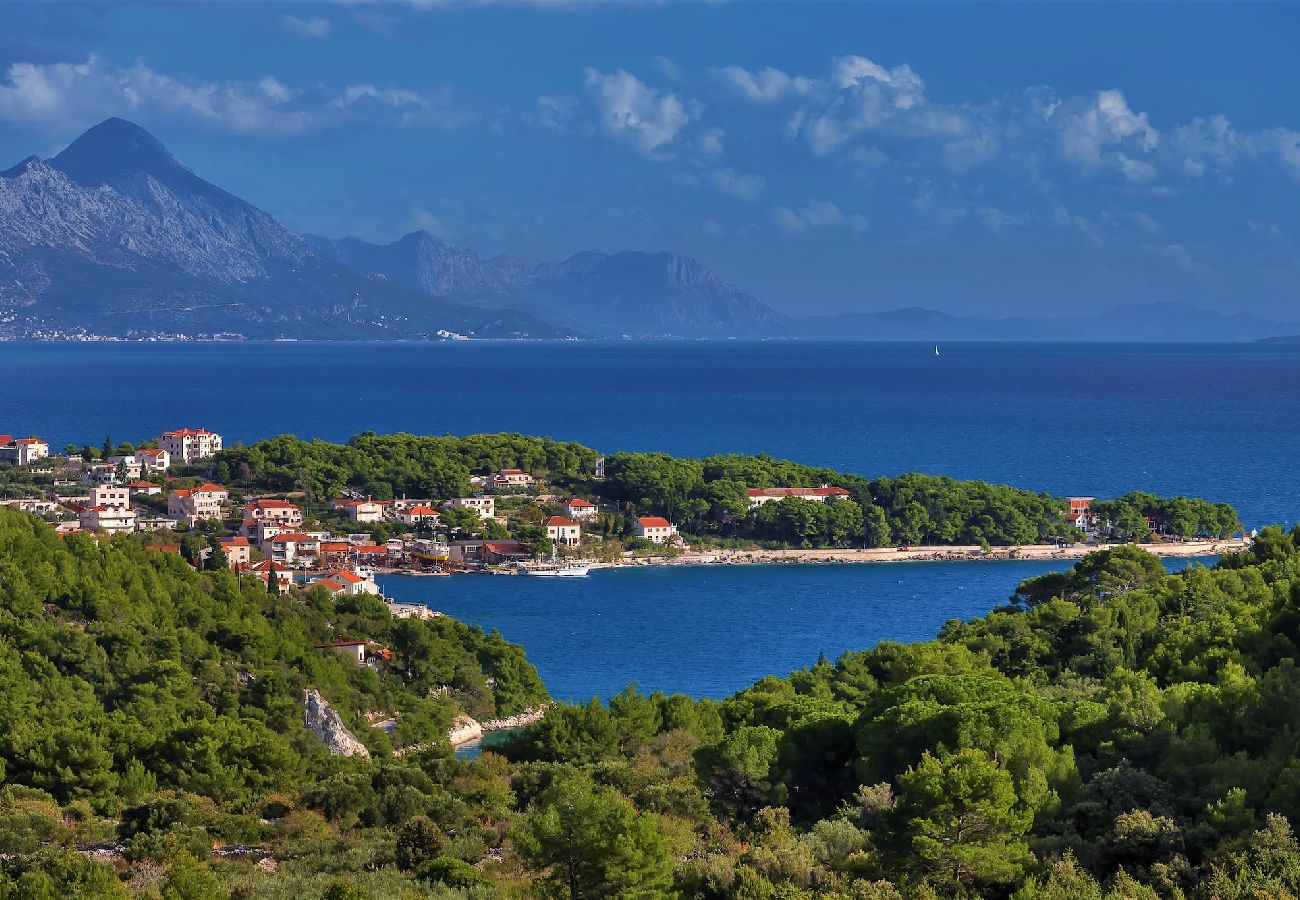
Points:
[(314, 27), (61, 96), (765, 85), (631, 111), (817, 214)]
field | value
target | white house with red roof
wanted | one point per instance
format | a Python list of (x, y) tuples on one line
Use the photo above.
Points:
[(207, 501), (506, 479), (759, 496), (147, 488), (579, 509), (266, 570), (345, 581), (361, 510), (189, 445), (655, 529), (563, 531), (281, 512), (291, 547), (155, 461), (417, 515), (1080, 514), (22, 451)]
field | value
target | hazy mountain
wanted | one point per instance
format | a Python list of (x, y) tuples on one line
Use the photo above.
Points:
[(114, 236), (607, 294), (1160, 321)]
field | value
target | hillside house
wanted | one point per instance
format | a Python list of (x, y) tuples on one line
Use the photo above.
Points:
[(113, 519), (361, 510), (22, 451), (579, 510), (207, 501), (484, 506), (189, 445), (759, 496)]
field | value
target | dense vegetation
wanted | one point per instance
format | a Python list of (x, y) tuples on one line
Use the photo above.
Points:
[(1113, 731), (705, 497)]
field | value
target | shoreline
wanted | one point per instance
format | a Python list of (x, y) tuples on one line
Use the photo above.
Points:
[(846, 556)]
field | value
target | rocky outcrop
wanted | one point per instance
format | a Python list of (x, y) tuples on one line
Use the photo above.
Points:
[(325, 723), (467, 730)]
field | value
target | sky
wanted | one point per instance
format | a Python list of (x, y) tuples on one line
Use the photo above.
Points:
[(991, 159)]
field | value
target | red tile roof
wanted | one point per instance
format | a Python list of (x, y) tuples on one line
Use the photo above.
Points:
[(188, 432), (6, 438), (270, 504), (654, 522), (579, 503), (143, 484), (293, 537), (347, 576), (210, 488), (560, 522), (422, 511), (235, 542)]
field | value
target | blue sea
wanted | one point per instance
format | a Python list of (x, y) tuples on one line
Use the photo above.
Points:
[(1217, 421)]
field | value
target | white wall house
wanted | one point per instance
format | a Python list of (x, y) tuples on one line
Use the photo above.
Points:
[(563, 531), (655, 529), (759, 496), (486, 507), (579, 509), (189, 445), (203, 502), (112, 519)]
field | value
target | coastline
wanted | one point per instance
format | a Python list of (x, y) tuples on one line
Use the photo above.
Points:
[(946, 553)]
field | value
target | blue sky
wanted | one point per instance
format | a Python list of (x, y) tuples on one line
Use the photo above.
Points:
[(979, 158)]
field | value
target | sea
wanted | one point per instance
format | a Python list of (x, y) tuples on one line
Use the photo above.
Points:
[(1215, 421)]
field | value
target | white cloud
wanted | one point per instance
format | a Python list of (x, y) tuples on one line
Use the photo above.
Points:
[(765, 85), (1091, 127), (712, 142), (633, 112), (314, 27), (817, 214), (62, 96)]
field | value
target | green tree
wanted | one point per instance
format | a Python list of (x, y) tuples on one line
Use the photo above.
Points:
[(588, 842), (963, 821)]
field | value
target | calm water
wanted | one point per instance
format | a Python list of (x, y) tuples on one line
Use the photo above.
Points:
[(1221, 422), (710, 631), (1216, 421)]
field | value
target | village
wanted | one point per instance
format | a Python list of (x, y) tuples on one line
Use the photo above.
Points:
[(152, 490)]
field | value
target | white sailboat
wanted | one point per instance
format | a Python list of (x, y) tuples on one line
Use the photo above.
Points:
[(936, 349)]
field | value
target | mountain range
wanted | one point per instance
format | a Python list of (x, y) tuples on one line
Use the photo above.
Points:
[(113, 236)]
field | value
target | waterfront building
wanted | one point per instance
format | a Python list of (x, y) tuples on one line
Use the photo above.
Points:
[(565, 532), (655, 529)]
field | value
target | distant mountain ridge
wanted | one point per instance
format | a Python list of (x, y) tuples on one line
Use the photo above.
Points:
[(114, 236), (629, 293)]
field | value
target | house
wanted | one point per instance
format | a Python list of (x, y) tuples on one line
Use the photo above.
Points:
[(147, 488), (279, 512), (487, 552), (486, 507), (292, 546), (110, 495), (599, 469), (1080, 513), (510, 479), (238, 551), (154, 523), (361, 510), (189, 445), (345, 581), (267, 570), (417, 515), (759, 496), (404, 503), (112, 519), (127, 467), (22, 451), (410, 611), (156, 461), (363, 653), (192, 504), (655, 529), (563, 531), (579, 509), (102, 473)]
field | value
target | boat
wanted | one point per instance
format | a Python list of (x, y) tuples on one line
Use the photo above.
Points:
[(936, 349), (570, 571)]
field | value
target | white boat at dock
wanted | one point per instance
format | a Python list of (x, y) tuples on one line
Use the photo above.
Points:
[(571, 571)]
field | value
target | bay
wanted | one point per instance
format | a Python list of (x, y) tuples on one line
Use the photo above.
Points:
[(709, 631)]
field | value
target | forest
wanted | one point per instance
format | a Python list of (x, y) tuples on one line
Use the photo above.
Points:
[(706, 497), (1112, 731)]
